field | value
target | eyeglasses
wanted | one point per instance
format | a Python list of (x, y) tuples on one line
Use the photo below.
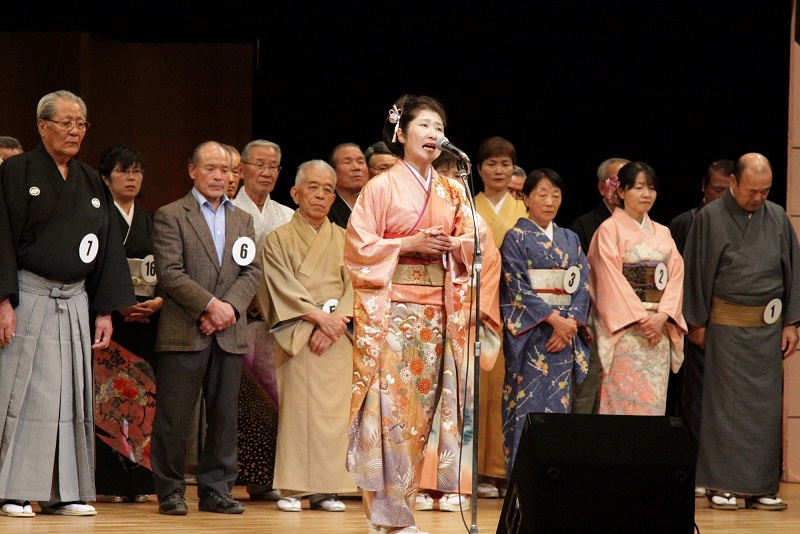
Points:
[(69, 125), (519, 195), (261, 165), (136, 173)]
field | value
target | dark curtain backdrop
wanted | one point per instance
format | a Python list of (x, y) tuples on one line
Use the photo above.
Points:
[(674, 83)]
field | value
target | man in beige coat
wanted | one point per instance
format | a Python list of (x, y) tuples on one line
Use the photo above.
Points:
[(307, 300)]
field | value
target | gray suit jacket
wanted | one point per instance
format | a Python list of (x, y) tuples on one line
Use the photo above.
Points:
[(186, 265)]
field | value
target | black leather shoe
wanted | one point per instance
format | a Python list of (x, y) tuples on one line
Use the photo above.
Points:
[(173, 504), (219, 503)]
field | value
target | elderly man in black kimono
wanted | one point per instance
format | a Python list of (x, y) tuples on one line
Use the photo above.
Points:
[(742, 273), (62, 256)]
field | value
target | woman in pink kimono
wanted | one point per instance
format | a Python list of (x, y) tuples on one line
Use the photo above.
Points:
[(636, 286), (408, 248)]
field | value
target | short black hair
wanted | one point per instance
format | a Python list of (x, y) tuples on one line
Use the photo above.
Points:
[(537, 175)]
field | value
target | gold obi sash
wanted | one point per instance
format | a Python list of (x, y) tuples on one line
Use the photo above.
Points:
[(549, 286), (419, 271), (641, 277), (141, 287), (730, 314)]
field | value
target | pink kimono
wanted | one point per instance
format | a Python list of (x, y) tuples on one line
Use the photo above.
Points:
[(635, 375), (409, 322)]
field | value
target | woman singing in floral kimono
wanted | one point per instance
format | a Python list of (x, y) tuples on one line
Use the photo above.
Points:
[(544, 300), (408, 248), (636, 283)]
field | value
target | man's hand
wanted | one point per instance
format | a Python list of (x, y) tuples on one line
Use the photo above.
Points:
[(789, 339), (319, 342), (8, 322), (102, 331), (217, 317), (332, 325), (141, 312), (697, 335)]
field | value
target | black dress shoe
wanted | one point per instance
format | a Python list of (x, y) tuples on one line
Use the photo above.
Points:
[(173, 504), (219, 503)]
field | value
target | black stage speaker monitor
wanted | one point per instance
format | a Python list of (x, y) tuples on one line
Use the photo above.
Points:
[(577, 473)]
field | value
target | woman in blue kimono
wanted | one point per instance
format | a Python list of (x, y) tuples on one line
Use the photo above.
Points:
[(544, 302)]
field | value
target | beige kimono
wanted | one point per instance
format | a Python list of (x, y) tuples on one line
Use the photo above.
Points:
[(491, 461), (303, 270)]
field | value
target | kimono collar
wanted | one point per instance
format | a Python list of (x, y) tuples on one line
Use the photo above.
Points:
[(497, 207), (547, 231), (734, 207), (243, 198), (127, 216), (424, 182)]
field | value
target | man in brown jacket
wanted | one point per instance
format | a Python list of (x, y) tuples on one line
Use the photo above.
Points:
[(207, 264)]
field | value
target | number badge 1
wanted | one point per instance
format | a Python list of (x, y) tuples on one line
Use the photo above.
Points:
[(773, 311)]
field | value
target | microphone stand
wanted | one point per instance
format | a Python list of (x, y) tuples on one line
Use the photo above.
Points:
[(464, 171)]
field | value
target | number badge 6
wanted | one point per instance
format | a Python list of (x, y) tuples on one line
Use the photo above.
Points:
[(244, 251)]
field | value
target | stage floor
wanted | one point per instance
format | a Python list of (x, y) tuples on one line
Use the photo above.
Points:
[(264, 517)]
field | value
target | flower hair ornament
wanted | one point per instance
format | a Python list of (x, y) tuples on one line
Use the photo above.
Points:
[(612, 184), (394, 118)]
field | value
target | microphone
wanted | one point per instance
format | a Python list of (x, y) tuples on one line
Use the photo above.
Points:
[(444, 143)]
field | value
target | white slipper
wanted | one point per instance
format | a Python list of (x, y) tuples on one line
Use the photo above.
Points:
[(328, 505), (488, 491), (424, 502), (453, 502), (289, 504), (723, 501), (12, 509), (74, 509)]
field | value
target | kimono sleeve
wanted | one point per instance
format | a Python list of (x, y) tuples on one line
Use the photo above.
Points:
[(521, 307)]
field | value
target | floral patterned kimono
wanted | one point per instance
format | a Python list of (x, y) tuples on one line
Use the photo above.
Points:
[(537, 380), (635, 270), (409, 329), (449, 454)]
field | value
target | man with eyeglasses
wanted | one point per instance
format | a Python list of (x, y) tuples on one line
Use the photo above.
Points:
[(62, 259), (351, 175), (261, 164)]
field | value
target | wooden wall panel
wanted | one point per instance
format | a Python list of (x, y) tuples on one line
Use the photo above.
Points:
[(163, 98), (791, 377)]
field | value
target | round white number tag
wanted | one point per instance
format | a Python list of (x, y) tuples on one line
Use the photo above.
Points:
[(661, 276), (330, 305), (244, 250), (773, 311), (572, 279), (149, 269), (87, 250)]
